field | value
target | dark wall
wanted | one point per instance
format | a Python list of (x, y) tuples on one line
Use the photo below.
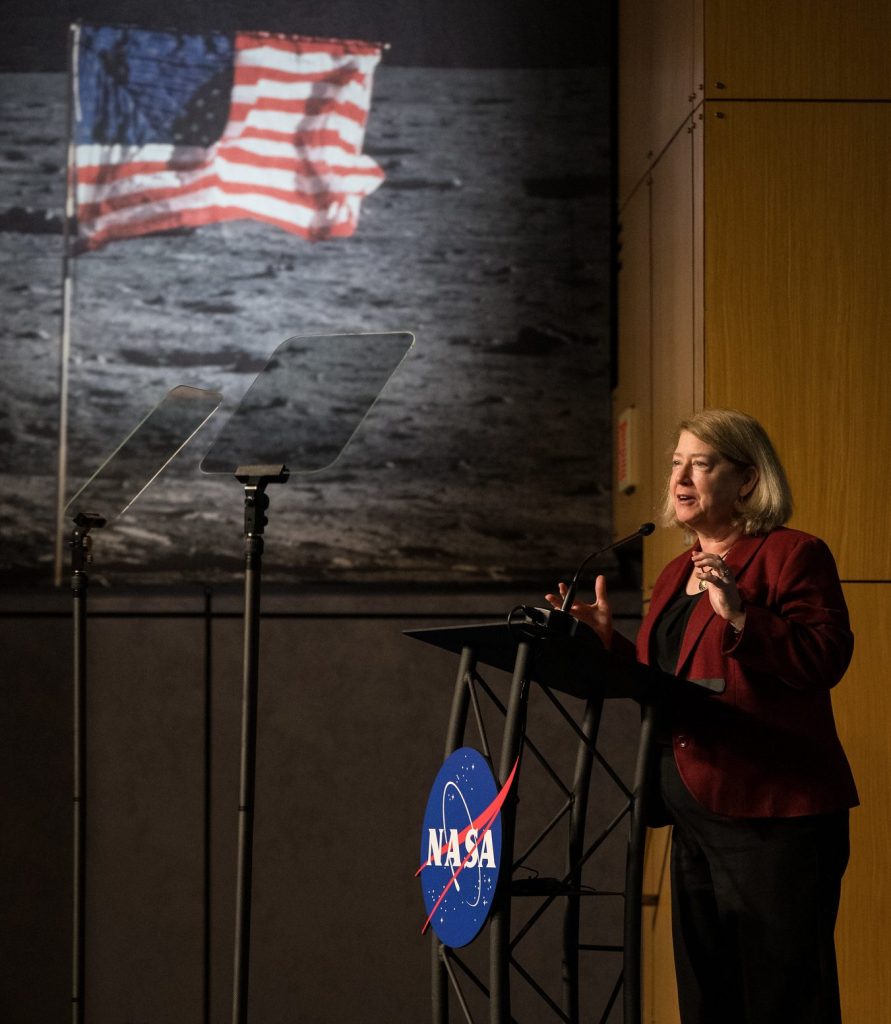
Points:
[(351, 732), (500, 33)]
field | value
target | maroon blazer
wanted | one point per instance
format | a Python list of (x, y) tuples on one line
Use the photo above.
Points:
[(767, 746)]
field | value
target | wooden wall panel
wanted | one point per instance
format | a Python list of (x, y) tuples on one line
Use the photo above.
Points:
[(797, 49), (798, 304), (636, 45), (789, 302), (658, 83), (673, 23), (634, 383), (673, 327), (660, 1000), (698, 314), (863, 712)]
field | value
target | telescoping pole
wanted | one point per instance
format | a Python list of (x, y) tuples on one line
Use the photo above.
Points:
[(256, 502)]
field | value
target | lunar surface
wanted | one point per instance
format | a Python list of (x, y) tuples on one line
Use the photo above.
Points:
[(487, 457)]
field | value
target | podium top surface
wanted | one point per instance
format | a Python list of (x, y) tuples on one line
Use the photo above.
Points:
[(577, 665)]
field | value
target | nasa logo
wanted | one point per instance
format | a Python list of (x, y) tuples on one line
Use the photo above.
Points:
[(461, 847)]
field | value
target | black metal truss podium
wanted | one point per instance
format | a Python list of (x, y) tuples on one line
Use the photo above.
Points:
[(578, 666)]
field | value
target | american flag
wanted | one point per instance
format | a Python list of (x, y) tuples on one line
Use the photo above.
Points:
[(178, 130)]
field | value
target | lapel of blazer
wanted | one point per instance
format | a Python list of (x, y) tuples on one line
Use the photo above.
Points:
[(738, 559)]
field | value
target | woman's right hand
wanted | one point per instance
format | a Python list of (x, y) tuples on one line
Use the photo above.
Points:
[(597, 615)]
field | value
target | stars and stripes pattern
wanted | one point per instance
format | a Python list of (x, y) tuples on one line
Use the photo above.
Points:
[(175, 130)]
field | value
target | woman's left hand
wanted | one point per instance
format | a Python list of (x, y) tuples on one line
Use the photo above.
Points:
[(721, 586)]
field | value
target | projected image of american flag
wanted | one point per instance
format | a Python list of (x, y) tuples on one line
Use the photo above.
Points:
[(178, 130)]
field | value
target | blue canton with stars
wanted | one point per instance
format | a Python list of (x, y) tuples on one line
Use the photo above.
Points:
[(136, 87)]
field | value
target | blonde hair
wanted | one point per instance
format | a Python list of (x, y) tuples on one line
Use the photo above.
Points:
[(742, 440)]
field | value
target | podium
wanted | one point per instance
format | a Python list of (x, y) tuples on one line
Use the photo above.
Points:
[(579, 666)]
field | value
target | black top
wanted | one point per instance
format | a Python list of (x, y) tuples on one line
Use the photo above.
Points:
[(665, 648), (668, 633)]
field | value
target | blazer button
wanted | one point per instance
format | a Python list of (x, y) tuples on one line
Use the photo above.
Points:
[(682, 740)]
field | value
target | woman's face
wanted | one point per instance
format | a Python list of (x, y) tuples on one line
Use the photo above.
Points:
[(705, 486)]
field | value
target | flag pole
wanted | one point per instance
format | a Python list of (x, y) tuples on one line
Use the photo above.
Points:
[(79, 556), (67, 297)]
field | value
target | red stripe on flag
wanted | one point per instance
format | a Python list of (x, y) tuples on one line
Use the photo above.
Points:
[(107, 174), (251, 74), (319, 138), (315, 107), (211, 215), (152, 197), (233, 154), (304, 44), (112, 174)]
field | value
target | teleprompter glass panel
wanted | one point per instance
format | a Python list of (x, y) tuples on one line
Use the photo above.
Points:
[(307, 402), (144, 453)]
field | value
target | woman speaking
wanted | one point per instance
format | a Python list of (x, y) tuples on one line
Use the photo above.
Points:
[(753, 779)]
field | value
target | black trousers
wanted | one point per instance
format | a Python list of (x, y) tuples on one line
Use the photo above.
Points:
[(754, 903)]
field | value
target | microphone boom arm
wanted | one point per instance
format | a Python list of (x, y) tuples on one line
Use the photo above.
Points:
[(644, 530)]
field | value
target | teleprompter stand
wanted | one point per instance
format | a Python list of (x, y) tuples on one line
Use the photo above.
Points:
[(296, 419), (108, 493), (552, 665), (256, 502)]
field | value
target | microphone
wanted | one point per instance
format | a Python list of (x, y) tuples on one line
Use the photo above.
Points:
[(536, 622), (644, 530)]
